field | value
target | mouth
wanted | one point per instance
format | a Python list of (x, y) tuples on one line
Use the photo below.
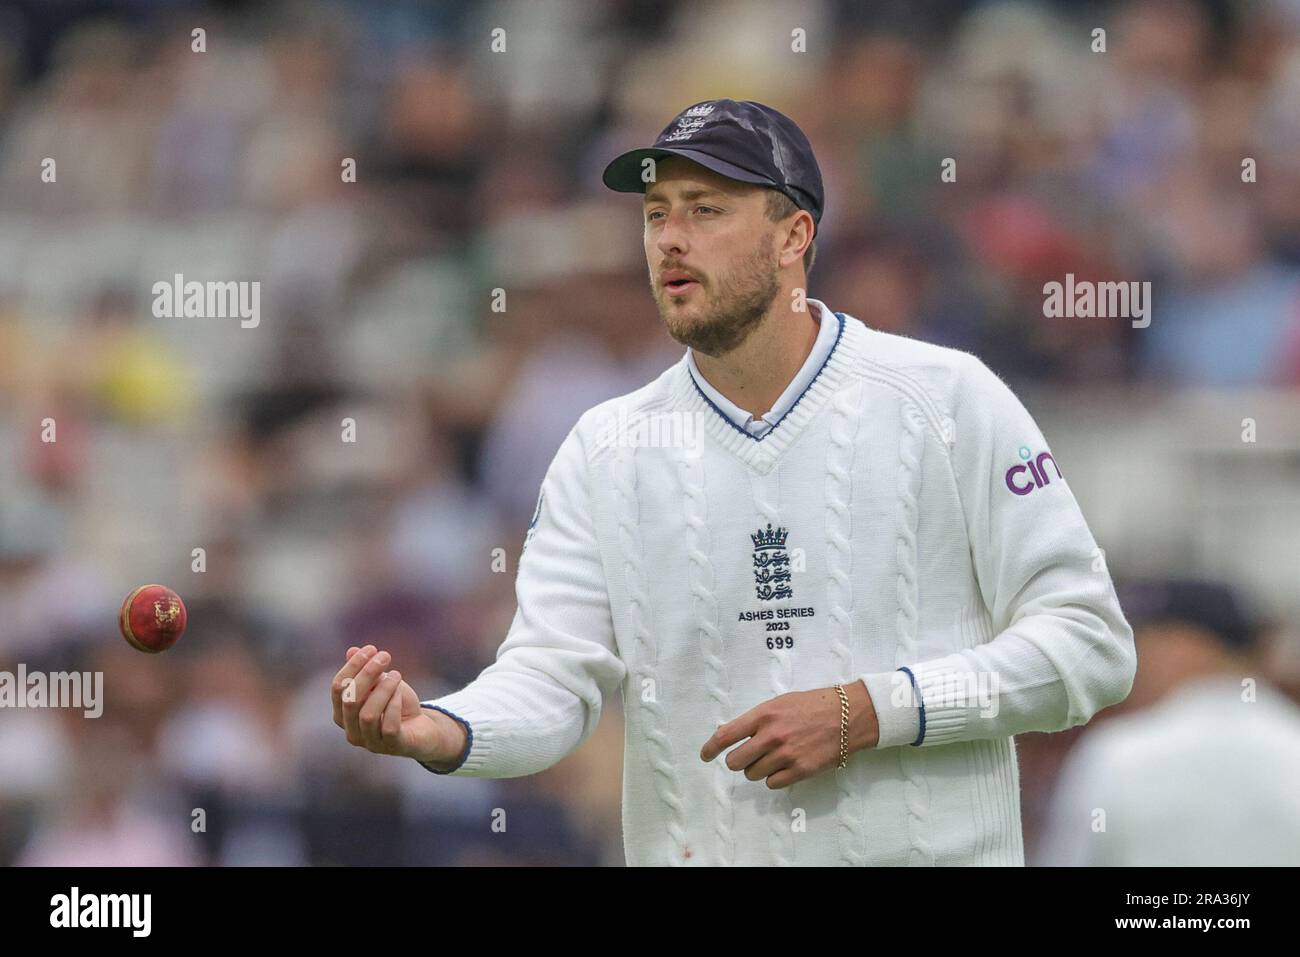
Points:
[(680, 287)]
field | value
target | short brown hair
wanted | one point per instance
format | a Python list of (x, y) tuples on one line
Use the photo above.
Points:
[(779, 206)]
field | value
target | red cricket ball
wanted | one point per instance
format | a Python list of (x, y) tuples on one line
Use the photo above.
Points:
[(152, 618)]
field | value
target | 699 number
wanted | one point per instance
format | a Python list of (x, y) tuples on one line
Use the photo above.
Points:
[(779, 641)]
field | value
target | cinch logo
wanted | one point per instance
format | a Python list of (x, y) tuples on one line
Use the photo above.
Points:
[(1023, 484)]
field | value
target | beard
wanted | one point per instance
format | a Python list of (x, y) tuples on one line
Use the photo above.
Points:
[(728, 309)]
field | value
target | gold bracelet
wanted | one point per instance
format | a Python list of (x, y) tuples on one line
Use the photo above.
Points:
[(844, 726)]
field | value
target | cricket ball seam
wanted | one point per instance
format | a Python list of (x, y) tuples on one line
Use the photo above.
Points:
[(124, 619)]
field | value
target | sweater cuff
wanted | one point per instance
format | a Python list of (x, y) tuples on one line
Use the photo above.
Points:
[(899, 711), (463, 761), (953, 698)]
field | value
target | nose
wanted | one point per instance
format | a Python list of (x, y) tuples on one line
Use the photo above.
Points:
[(672, 240)]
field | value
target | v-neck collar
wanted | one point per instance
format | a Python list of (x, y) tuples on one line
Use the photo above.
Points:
[(828, 330), (762, 453)]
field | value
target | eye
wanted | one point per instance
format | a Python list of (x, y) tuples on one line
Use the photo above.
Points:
[(651, 215), (707, 209)]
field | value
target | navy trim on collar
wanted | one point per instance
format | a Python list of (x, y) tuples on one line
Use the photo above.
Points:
[(759, 438)]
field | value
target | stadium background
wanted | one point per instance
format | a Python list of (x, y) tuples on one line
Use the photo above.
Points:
[(479, 170)]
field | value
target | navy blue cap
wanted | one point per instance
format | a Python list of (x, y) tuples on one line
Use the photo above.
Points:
[(743, 140)]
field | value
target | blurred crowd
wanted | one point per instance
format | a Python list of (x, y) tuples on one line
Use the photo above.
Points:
[(478, 132)]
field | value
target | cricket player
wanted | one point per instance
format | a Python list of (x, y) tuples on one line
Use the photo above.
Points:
[(832, 570)]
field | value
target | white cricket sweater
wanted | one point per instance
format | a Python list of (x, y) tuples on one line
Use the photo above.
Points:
[(921, 536)]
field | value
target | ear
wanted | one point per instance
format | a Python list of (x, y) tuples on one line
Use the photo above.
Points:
[(796, 237)]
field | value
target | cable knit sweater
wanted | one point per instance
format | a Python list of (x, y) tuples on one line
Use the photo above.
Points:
[(903, 522)]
